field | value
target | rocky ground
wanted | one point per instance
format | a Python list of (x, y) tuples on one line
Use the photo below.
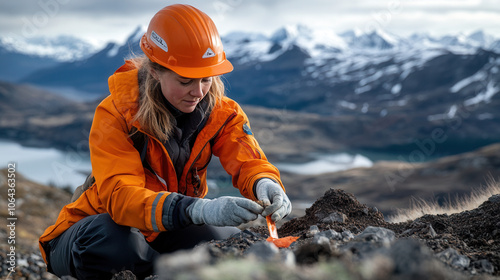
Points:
[(341, 238), (393, 185), (36, 207)]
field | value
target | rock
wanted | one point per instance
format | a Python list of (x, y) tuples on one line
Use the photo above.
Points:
[(360, 249), (168, 266), (432, 233), (413, 260), (368, 241), (494, 198), (376, 234), (263, 250), (312, 252), (313, 230), (334, 217), (409, 256), (453, 258), (330, 234), (246, 233), (347, 235), (124, 275), (483, 266), (321, 240), (377, 267), (288, 258)]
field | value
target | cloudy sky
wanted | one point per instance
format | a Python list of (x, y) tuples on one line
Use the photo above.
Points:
[(105, 20)]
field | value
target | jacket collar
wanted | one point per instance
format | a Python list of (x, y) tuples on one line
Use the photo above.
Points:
[(124, 90)]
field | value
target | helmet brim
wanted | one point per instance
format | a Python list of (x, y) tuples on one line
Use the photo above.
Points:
[(202, 72)]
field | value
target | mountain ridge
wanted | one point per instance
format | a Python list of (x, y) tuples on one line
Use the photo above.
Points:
[(65, 48), (381, 91)]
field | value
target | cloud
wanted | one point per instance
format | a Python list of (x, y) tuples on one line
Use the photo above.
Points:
[(113, 19)]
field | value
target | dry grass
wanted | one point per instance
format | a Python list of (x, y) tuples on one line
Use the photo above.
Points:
[(420, 207)]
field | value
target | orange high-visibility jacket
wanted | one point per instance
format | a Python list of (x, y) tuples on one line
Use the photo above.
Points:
[(132, 195)]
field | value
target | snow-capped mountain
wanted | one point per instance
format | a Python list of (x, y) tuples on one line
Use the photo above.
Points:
[(337, 71), (27, 55), (378, 84), (61, 48), (387, 87), (352, 66), (90, 74)]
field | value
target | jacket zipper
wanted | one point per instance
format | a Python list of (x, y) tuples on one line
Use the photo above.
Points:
[(164, 151), (250, 150), (197, 187)]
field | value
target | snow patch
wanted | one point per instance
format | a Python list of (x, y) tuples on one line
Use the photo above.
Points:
[(485, 116), (113, 51), (478, 76), (399, 103), (371, 78), (363, 89), (484, 96), (347, 105), (396, 89), (448, 115), (365, 107), (452, 112), (326, 164)]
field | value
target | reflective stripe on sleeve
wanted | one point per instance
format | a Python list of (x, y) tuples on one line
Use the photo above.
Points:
[(153, 211)]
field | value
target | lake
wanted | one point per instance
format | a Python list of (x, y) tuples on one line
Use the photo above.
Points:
[(46, 165), (69, 169)]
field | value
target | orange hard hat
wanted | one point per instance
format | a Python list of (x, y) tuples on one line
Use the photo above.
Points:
[(186, 41)]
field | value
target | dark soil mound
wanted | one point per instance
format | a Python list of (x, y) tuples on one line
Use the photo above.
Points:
[(459, 246), (336, 210), (474, 233)]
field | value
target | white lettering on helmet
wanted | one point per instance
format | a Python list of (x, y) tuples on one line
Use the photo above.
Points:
[(159, 41)]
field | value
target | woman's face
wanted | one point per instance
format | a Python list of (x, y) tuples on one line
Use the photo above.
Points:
[(183, 93)]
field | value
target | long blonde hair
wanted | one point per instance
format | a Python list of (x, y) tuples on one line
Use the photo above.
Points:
[(153, 116)]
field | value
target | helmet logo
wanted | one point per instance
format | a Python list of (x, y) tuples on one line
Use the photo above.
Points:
[(208, 53), (159, 41)]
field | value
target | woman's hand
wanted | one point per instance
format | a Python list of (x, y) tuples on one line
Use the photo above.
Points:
[(275, 200), (224, 211)]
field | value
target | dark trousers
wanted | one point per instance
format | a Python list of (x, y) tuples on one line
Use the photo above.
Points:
[(96, 247)]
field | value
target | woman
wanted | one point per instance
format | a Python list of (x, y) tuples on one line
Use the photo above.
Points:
[(150, 143)]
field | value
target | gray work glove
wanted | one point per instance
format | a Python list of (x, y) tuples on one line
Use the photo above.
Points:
[(223, 211), (275, 200)]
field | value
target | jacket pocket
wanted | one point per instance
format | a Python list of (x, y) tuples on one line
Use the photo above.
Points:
[(254, 153)]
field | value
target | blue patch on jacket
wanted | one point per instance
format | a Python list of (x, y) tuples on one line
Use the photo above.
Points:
[(247, 130)]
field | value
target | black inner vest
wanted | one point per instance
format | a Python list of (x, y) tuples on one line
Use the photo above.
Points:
[(184, 133)]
